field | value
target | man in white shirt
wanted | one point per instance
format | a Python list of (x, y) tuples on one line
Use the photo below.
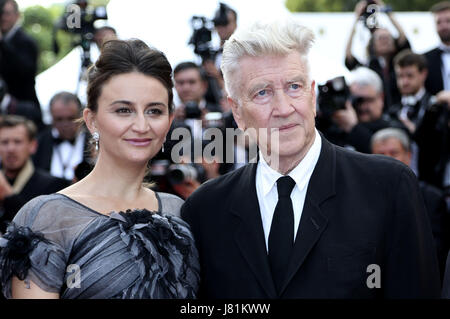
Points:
[(421, 113), (310, 219), (64, 145), (439, 58)]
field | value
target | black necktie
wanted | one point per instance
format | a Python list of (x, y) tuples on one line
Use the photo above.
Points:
[(58, 140), (281, 236)]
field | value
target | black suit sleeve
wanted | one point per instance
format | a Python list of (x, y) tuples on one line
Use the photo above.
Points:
[(446, 284), (352, 63), (187, 214), (19, 57), (359, 137), (411, 268)]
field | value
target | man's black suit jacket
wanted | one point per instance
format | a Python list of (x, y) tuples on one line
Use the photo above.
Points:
[(18, 66), (43, 156), (434, 82), (40, 183), (359, 210)]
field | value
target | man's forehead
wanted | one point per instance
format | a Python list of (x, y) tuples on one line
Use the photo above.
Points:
[(291, 64), (16, 131), (64, 107), (444, 14), (362, 88), (407, 68), (191, 73)]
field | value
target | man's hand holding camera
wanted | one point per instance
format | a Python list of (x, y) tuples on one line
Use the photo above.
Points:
[(346, 118), (360, 8)]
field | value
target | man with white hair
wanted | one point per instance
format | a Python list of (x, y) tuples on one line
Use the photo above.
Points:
[(363, 114), (395, 143), (310, 219)]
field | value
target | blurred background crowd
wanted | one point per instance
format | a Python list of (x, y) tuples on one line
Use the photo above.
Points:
[(394, 102)]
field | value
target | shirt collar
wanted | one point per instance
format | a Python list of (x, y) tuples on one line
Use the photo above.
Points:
[(413, 99), (444, 48), (300, 174), (11, 32)]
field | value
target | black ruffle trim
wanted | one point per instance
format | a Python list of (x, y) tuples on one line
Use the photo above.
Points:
[(167, 236), (15, 248)]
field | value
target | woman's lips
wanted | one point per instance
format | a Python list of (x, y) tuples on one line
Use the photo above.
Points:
[(139, 141)]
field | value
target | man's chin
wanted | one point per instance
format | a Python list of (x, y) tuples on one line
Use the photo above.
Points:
[(445, 38)]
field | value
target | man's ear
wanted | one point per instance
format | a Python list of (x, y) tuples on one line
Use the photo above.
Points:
[(236, 112), (313, 97), (89, 119), (424, 74), (33, 146)]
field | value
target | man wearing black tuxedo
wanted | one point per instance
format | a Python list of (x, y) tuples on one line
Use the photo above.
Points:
[(310, 219), (65, 144), (439, 58), (18, 55)]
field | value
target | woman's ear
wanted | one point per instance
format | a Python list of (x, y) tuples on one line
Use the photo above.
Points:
[(89, 119)]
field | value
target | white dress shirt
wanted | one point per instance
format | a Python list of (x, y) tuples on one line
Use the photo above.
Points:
[(66, 156), (266, 188), (445, 66)]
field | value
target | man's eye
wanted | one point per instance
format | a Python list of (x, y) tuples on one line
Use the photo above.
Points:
[(262, 93)]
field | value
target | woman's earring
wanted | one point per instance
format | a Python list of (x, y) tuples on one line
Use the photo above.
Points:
[(96, 138), (162, 149)]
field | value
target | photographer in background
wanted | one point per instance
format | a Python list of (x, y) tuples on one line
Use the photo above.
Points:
[(357, 114), (439, 58), (191, 85), (225, 23), (411, 70), (396, 143), (18, 56), (381, 49)]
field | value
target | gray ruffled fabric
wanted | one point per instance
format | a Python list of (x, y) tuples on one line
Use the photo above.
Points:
[(133, 254), (22, 249)]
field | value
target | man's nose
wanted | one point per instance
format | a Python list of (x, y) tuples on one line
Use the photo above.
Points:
[(10, 147), (282, 103)]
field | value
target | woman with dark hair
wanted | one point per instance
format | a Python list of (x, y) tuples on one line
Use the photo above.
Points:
[(381, 49), (108, 235)]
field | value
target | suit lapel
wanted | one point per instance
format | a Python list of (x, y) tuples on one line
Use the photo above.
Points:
[(313, 221), (249, 234)]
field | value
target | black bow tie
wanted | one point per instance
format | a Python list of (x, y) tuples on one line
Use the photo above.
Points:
[(58, 140)]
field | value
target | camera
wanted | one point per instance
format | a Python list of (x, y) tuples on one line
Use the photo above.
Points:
[(178, 173), (214, 120), (201, 37), (333, 95), (86, 29), (367, 12), (192, 110), (202, 32)]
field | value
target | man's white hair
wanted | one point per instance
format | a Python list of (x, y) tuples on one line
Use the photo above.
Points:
[(279, 37), (387, 133), (363, 76)]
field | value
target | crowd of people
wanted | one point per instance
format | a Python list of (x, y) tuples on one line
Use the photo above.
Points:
[(185, 223)]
